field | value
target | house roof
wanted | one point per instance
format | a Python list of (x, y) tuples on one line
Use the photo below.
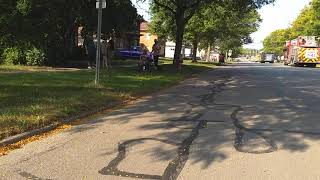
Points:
[(144, 26)]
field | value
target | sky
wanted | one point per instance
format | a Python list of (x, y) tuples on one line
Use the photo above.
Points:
[(143, 8), (275, 16)]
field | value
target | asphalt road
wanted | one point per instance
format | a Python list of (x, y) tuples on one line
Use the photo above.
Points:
[(244, 121)]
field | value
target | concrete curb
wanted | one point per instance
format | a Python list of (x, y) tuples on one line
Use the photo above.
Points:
[(16, 138), (22, 136)]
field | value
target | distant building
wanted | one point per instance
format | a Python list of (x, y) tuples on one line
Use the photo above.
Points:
[(185, 52), (121, 39), (167, 47), (126, 40), (147, 38)]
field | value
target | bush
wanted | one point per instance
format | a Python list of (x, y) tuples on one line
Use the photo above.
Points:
[(11, 56), (34, 57)]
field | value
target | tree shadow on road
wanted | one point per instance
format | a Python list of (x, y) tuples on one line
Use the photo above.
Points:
[(256, 121)]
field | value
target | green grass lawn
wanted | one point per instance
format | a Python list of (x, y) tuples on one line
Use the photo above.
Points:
[(11, 68), (38, 98)]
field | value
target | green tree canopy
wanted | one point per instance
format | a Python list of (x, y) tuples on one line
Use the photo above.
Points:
[(224, 24), (275, 42), (51, 25), (306, 24), (181, 11)]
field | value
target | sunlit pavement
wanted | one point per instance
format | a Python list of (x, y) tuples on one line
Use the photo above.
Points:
[(241, 121)]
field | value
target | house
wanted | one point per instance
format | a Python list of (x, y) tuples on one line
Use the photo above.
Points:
[(121, 39), (186, 51), (167, 47), (147, 38), (126, 40)]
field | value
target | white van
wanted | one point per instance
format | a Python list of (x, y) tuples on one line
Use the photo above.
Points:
[(268, 57)]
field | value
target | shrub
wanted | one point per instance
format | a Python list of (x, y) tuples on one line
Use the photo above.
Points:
[(34, 57), (11, 56)]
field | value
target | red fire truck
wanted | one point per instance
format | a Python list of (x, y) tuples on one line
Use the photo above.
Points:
[(303, 51)]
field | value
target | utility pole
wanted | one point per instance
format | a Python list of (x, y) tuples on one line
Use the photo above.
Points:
[(100, 4)]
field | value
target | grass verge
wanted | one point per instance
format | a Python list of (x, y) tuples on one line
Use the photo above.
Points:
[(38, 98)]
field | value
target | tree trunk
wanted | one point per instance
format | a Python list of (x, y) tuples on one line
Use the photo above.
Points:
[(69, 43), (208, 53), (195, 48), (70, 34), (179, 35)]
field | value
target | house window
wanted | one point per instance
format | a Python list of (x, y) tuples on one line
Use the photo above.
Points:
[(148, 36)]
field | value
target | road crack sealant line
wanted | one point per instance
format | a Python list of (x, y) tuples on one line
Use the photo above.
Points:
[(239, 144), (240, 130), (112, 168), (172, 171), (29, 176), (174, 168)]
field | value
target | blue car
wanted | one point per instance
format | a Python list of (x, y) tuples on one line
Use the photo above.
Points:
[(132, 53)]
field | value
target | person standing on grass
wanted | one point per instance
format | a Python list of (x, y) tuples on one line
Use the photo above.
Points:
[(110, 51), (104, 53), (144, 61), (90, 50), (221, 58), (156, 53)]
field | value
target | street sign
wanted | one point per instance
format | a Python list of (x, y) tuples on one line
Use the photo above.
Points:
[(104, 4), (230, 53), (98, 55)]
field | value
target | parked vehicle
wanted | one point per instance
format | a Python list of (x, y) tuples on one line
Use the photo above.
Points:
[(132, 53), (303, 51), (268, 57)]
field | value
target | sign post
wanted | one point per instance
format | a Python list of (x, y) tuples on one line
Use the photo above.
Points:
[(100, 4)]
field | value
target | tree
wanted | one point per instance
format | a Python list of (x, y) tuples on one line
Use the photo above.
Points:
[(194, 32), (306, 24), (228, 26), (52, 25), (119, 15), (162, 23), (275, 42), (209, 24), (183, 10)]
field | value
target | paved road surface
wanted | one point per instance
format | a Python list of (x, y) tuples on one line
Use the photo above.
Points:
[(246, 121)]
